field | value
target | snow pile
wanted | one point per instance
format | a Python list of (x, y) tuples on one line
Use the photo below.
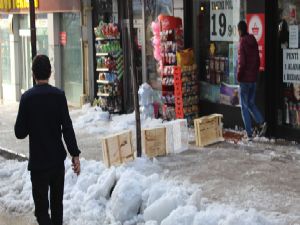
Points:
[(15, 187), (131, 194), (95, 121)]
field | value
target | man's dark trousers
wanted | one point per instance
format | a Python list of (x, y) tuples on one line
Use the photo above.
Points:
[(41, 181)]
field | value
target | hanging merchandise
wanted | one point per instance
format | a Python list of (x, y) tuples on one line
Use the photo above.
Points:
[(180, 90), (110, 68), (167, 40)]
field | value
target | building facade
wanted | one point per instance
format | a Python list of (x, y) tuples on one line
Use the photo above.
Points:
[(61, 34), (65, 31)]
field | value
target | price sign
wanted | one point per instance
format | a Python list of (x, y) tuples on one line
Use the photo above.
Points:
[(224, 17)]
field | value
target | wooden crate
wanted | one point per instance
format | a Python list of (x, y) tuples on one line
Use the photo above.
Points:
[(154, 141), (117, 148), (208, 129)]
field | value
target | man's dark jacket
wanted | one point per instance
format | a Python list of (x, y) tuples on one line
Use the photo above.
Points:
[(44, 116), (248, 59)]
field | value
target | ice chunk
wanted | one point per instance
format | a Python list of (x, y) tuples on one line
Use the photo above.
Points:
[(161, 208), (181, 216), (126, 198)]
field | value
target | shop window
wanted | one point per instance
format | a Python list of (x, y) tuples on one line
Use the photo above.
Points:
[(42, 34), (4, 50), (289, 67), (70, 36), (216, 44)]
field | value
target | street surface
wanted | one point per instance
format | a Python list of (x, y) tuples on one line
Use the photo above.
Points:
[(264, 175)]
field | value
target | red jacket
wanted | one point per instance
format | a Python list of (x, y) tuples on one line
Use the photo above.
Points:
[(248, 59)]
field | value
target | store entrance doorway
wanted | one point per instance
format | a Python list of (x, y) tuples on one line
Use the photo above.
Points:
[(26, 81)]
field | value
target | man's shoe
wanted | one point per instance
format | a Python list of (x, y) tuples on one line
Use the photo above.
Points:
[(249, 138), (262, 129)]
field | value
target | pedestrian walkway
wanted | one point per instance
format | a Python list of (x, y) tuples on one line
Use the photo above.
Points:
[(232, 172), (88, 144)]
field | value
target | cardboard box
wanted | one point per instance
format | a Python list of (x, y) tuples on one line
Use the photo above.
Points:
[(177, 136), (117, 148), (208, 130)]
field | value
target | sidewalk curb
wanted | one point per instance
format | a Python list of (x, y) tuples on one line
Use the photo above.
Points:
[(11, 155)]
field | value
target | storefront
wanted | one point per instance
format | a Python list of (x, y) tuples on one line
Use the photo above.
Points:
[(287, 105), (58, 29), (114, 13), (215, 42)]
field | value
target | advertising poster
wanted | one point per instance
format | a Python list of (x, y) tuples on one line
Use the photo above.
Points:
[(225, 15), (291, 87), (229, 94), (293, 36), (291, 66), (256, 26)]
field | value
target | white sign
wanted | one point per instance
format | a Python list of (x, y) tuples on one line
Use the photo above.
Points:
[(224, 17), (293, 36), (291, 65)]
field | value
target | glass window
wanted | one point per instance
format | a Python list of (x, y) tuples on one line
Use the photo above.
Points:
[(24, 21), (289, 53), (216, 43), (42, 34), (4, 49), (72, 80)]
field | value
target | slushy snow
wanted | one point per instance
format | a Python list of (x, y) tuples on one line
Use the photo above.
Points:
[(136, 193)]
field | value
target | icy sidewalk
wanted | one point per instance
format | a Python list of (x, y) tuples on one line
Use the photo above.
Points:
[(138, 193)]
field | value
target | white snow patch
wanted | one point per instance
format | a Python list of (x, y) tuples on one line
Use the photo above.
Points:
[(141, 196), (183, 215)]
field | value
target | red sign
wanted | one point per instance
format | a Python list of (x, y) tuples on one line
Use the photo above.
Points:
[(256, 26), (63, 38)]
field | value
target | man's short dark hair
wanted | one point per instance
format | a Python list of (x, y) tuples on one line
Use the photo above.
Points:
[(41, 67), (242, 27)]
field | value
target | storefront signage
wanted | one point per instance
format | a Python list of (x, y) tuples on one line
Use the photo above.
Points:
[(63, 38), (293, 36), (256, 26), (224, 17), (16, 4), (291, 65)]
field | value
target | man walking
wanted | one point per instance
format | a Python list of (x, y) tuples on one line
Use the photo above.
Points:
[(248, 68), (44, 116)]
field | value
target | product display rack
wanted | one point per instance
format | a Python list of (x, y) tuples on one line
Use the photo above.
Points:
[(109, 68), (186, 91), (171, 40)]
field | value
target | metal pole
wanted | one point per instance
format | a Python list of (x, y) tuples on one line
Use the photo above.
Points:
[(32, 30), (134, 81)]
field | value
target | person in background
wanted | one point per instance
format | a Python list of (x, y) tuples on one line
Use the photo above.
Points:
[(43, 115), (248, 69)]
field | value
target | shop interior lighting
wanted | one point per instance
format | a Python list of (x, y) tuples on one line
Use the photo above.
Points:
[(202, 8)]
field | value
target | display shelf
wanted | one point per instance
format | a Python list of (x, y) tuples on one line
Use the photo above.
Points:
[(103, 94), (115, 53), (106, 39), (102, 69), (110, 67), (102, 54), (104, 82)]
